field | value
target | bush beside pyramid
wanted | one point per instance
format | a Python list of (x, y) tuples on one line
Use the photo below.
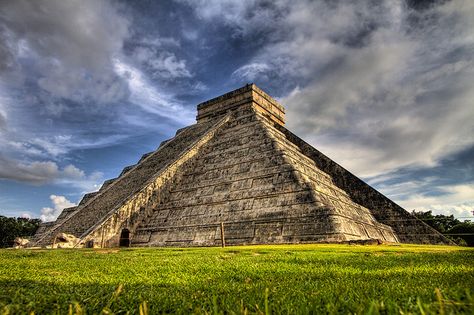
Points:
[(238, 168)]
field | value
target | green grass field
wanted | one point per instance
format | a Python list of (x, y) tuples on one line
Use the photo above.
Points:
[(237, 280)]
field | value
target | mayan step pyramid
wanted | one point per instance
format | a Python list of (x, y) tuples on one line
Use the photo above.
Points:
[(238, 168)]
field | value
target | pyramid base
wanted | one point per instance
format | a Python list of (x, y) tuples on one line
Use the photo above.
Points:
[(333, 229)]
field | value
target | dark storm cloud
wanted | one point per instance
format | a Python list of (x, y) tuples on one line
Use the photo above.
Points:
[(70, 44), (3, 122), (377, 85)]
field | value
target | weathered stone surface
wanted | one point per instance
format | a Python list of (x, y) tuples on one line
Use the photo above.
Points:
[(20, 242), (407, 227), (366, 242), (123, 193), (43, 228), (241, 167), (64, 240)]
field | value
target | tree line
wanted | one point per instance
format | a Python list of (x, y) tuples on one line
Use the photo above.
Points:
[(10, 228), (462, 233)]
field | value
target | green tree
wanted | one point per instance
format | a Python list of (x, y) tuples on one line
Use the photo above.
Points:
[(460, 232), (441, 223), (464, 231), (16, 227)]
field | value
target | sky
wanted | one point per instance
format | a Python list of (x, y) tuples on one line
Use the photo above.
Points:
[(384, 88)]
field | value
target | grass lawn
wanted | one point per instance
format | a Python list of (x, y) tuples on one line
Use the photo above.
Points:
[(245, 279)]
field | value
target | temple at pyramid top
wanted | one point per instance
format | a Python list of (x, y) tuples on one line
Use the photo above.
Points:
[(250, 93), (236, 176)]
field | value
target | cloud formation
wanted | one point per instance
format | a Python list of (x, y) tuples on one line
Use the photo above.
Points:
[(56, 76), (35, 172), (376, 86), (382, 87), (161, 64), (457, 200), (61, 90), (68, 45), (59, 203), (252, 71), (149, 97), (60, 66), (44, 172)]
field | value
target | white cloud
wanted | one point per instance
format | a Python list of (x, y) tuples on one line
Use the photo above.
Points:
[(33, 172), (45, 172), (464, 211), (149, 98), (71, 171), (162, 64), (26, 215), (14, 143), (251, 71), (54, 146), (69, 46), (77, 178), (457, 200), (3, 112), (199, 86), (230, 12), (59, 203), (3, 121)]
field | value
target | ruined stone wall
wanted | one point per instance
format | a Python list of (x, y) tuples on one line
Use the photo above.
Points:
[(244, 178), (42, 229), (139, 206), (250, 93), (95, 208), (407, 227), (353, 219)]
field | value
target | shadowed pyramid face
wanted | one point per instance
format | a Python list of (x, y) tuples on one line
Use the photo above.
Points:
[(240, 168)]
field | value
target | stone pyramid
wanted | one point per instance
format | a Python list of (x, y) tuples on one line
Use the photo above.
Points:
[(237, 172)]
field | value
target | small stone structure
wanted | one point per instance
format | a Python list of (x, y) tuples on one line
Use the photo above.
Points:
[(239, 168), (20, 242)]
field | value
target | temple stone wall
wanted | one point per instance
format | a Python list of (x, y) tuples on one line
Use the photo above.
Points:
[(94, 209), (139, 205), (245, 179), (408, 228), (249, 94), (240, 168)]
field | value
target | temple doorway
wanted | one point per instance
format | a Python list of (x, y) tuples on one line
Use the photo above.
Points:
[(124, 238)]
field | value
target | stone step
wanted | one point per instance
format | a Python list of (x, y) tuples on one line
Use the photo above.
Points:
[(66, 212), (87, 197), (127, 184), (107, 183), (144, 156)]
